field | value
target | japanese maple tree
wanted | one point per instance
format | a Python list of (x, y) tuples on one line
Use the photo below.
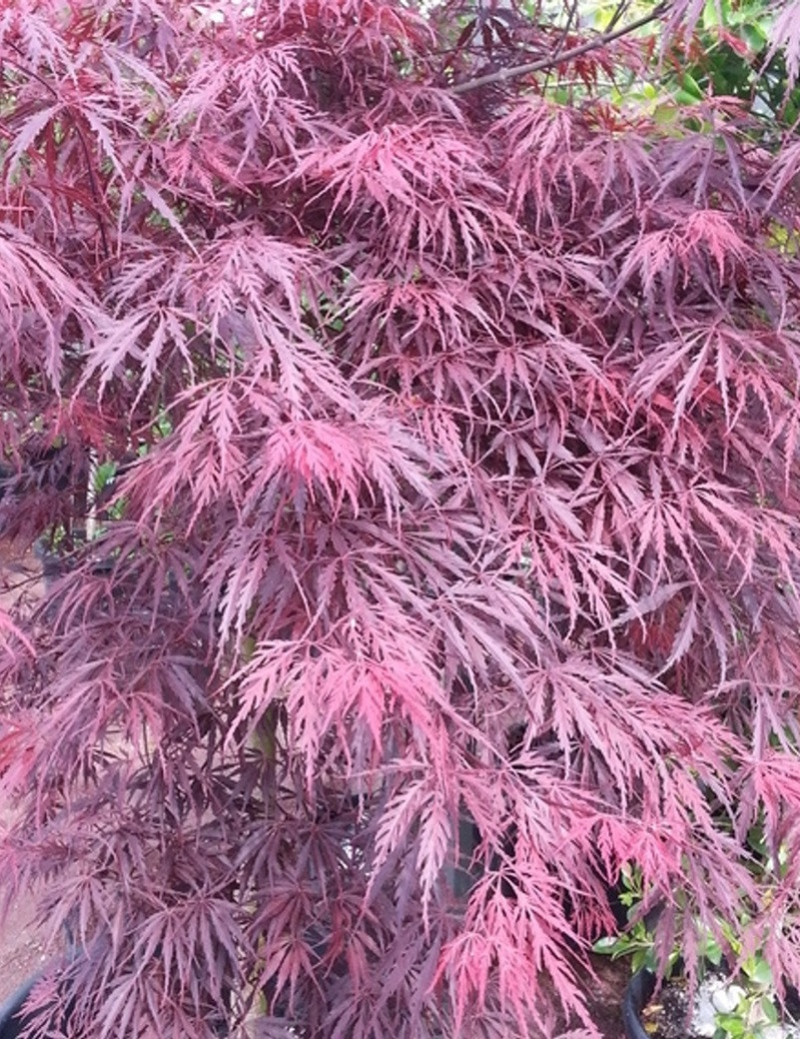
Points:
[(416, 428)]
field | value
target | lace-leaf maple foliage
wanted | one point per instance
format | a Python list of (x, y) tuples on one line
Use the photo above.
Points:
[(452, 553)]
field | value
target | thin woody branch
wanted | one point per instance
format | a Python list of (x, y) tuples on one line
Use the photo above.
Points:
[(548, 63)]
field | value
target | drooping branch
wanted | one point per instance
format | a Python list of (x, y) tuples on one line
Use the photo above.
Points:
[(574, 52)]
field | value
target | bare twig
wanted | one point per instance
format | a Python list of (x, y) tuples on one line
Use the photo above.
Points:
[(572, 11), (622, 7), (574, 52)]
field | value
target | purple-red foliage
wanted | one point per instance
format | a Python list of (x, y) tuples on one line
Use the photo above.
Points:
[(457, 436)]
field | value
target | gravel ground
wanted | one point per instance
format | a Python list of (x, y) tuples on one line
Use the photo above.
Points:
[(21, 949)]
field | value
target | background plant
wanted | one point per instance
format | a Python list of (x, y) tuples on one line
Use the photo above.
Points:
[(740, 998), (451, 553)]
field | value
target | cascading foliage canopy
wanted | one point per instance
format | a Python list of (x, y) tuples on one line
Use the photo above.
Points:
[(428, 377)]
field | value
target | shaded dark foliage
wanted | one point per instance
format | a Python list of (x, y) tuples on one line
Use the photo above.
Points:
[(459, 439)]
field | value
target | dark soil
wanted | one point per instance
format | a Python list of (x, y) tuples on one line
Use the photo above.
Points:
[(667, 1014), (605, 995)]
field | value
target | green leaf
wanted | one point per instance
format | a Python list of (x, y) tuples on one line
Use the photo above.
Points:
[(683, 97), (754, 36), (711, 14), (758, 971), (713, 952), (691, 87), (769, 1009), (104, 476), (732, 1025)]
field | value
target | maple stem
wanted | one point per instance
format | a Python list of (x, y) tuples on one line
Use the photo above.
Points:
[(548, 63), (91, 498), (572, 11)]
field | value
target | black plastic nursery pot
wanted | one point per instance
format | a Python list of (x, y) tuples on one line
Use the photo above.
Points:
[(637, 994), (12, 1021)]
